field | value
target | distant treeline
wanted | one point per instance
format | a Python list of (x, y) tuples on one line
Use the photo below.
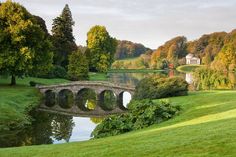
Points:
[(128, 49), (217, 50)]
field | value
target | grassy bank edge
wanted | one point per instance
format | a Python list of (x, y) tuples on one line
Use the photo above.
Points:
[(188, 68)]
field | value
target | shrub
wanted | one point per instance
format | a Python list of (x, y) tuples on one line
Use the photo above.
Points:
[(206, 78), (55, 72), (156, 87), (141, 114), (32, 83)]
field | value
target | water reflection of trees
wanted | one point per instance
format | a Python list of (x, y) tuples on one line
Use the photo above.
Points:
[(62, 127), (132, 79), (86, 99), (96, 120), (43, 129), (108, 100)]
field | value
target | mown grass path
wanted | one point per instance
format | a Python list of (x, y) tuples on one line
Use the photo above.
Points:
[(205, 128)]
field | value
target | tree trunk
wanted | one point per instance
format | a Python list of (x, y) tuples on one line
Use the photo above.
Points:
[(13, 80)]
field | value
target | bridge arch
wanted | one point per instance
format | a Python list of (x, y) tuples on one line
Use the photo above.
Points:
[(86, 99), (65, 98), (50, 98), (123, 100), (107, 100)]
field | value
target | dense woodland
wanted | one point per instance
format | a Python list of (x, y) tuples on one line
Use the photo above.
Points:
[(128, 49), (217, 50)]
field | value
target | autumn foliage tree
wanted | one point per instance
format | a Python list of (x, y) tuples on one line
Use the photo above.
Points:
[(171, 51), (24, 47), (128, 49)]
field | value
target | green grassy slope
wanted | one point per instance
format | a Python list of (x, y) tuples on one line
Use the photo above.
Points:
[(205, 128), (129, 63), (15, 101), (25, 81)]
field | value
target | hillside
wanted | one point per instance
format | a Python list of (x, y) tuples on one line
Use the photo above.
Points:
[(128, 49), (205, 128), (216, 49), (141, 62)]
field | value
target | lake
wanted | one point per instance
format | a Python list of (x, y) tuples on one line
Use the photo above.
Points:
[(49, 128)]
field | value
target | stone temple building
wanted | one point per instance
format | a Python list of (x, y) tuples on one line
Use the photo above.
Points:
[(191, 59)]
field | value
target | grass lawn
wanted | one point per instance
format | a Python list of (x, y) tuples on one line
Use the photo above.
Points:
[(25, 82), (205, 128), (97, 76), (188, 68)]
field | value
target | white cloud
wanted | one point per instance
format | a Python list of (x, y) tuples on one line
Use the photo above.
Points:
[(150, 22)]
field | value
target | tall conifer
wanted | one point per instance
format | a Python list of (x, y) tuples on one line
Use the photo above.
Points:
[(62, 37)]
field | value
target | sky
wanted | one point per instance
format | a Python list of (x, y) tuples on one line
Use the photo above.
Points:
[(150, 22)]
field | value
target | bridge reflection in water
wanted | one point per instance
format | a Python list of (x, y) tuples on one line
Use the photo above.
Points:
[(85, 98)]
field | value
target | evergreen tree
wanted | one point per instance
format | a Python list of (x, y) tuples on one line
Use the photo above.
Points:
[(62, 37), (78, 66), (101, 47), (24, 47)]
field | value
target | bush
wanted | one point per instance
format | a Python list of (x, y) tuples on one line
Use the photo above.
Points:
[(160, 87), (33, 83), (141, 114)]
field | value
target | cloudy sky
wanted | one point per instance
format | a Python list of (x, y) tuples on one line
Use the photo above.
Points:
[(150, 22)]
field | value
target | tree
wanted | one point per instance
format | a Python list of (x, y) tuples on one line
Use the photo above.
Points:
[(24, 47), (172, 50), (40, 21), (206, 60), (62, 37), (128, 49), (208, 46), (101, 49), (78, 66), (227, 55)]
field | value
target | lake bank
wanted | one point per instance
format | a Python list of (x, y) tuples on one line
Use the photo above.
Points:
[(188, 68)]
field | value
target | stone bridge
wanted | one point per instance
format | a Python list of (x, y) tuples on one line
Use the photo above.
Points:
[(56, 95)]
